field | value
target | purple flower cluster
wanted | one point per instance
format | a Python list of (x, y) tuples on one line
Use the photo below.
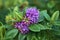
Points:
[(22, 27), (32, 15)]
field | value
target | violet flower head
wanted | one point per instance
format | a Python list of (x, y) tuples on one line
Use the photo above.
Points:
[(32, 14), (22, 27)]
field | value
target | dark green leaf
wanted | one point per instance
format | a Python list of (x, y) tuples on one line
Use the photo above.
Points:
[(31, 36), (35, 27), (8, 27), (44, 27), (11, 34), (21, 36), (41, 17), (34, 38), (38, 27), (56, 30), (45, 14), (57, 23)]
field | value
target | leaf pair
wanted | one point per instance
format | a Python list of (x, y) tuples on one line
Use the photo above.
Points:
[(44, 14), (11, 34), (38, 27)]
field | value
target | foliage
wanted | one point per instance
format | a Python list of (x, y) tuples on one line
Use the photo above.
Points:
[(47, 28)]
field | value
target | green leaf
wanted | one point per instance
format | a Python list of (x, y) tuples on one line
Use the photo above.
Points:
[(34, 38), (57, 23), (31, 36), (21, 36), (28, 37), (11, 34), (17, 14), (41, 17), (9, 19), (14, 15), (44, 27), (35, 27), (38, 27), (45, 14), (56, 30), (55, 16), (8, 27)]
